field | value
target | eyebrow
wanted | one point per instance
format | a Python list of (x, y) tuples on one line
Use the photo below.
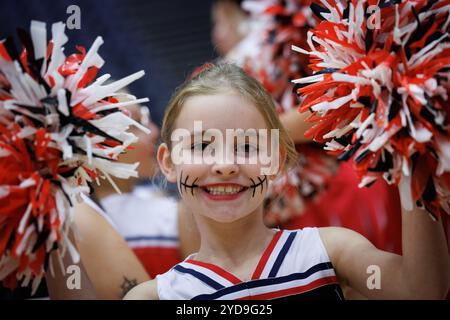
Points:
[(196, 132), (202, 135), (247, 138)]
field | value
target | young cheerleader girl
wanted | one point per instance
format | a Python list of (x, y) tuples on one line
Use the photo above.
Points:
[(239, 258)]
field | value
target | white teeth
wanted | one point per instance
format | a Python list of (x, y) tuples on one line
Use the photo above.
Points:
[(223, 190)]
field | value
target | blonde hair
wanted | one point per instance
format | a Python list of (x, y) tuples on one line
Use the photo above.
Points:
[(223, 77)]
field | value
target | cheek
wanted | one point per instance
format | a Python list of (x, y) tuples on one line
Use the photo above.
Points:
[(192, 170), (256, 179), (251, 171), (189, 173), (145, 141), (132, 155)]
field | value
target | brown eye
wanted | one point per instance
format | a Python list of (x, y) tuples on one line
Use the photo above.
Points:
[(202, 145), (247, 148)]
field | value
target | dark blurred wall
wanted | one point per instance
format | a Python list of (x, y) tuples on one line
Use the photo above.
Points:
[(165, 38)]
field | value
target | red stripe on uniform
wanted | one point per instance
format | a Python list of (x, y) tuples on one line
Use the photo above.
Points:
[(292, 291), (157, 260), (218, 270), (262, 262)]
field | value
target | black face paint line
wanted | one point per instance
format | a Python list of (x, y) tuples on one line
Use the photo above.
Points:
[(260, 183), (186, 185)]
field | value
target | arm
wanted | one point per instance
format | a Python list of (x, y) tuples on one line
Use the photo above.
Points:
[(59, 283), (295, 124), (145, 291), (422, 272), (111, 265)]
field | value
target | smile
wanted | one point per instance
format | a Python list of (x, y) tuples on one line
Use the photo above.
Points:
[(222, 192), (223, 189)]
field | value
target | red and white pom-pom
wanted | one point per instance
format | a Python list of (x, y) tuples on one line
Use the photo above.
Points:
[(380, 93), (59, 131), (275, 25)]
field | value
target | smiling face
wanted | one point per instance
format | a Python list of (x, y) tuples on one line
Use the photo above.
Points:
[(224, 190)]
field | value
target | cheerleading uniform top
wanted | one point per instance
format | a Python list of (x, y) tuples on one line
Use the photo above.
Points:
[(148, 221), (295, 265)]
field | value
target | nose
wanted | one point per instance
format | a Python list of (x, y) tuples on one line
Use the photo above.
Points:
[(225, 170)]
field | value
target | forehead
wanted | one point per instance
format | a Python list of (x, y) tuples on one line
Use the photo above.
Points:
[(220, 111)]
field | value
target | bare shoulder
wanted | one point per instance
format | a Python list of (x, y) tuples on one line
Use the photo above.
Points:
[(145, 291), (337, 234), (342, 246), (336, 239)]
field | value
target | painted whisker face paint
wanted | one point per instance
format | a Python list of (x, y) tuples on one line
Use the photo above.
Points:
[(183, 183), (186, 185), (259, 184)]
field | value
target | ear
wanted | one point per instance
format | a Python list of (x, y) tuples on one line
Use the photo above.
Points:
[(282, 160), (165, 163)]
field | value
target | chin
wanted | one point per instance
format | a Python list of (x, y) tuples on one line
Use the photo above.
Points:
[(226, 216)]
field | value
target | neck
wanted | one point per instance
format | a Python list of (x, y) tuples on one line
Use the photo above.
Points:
[(230, 243)]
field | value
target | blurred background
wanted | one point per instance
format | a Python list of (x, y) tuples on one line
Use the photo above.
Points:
[(167, 39)]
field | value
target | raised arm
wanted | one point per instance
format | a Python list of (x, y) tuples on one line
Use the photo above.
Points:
[(422, 272), (296, 126), (144, 291), (109, 268), (62, 284), (110, 263)]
